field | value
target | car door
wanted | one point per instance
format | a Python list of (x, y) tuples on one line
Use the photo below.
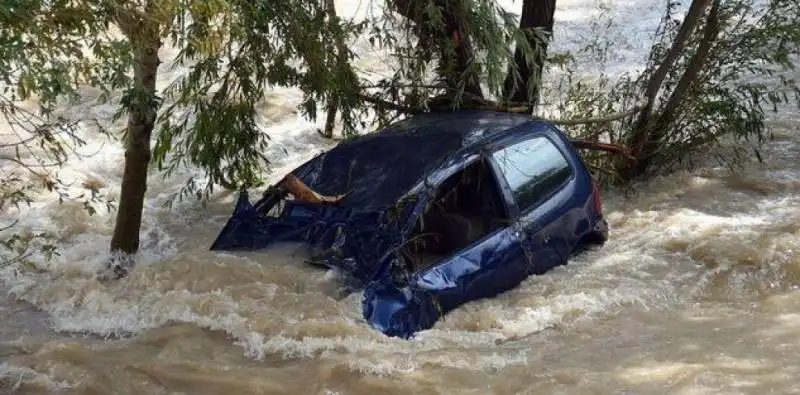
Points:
[(491, 265), (539, 177)]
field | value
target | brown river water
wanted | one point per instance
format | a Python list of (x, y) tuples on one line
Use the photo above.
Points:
[(696, 292)]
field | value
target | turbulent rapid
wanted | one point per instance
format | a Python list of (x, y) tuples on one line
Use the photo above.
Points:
[(696, 290)]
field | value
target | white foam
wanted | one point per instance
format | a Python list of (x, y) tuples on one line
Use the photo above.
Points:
[(16, 376)]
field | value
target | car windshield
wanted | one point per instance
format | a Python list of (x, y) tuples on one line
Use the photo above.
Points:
[(376, 170)]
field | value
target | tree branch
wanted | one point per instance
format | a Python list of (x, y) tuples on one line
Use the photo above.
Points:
[(389, 105), (126, 18), (340, 56), (578, 144), (451, 32), (593, 145), (27, 166), (710, 32), (7, 227), (603, 119), (522, 72), (488, 106), (654, 85), (20, 257)]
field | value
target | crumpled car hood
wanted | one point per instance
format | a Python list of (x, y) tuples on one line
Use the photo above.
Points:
[(353, 241)]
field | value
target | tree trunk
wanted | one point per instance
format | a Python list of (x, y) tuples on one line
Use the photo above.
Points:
[(535, 14), (141, 121), (654, 84), (330, 117), (454, 64), (457, 66), (644, 143), (710, 33), (339, 51)]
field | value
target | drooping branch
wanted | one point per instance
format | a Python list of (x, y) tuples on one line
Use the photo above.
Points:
[(409, 9), (485, 105), (27, 166), (579, 144), (127, 18), (4, 228), (442, 103)]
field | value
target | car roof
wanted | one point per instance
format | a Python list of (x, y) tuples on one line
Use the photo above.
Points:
[(376, 169), (472, 126)]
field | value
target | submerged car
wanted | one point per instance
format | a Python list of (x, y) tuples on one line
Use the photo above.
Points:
[(432, 212)]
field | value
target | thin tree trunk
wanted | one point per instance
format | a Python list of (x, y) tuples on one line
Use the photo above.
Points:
[(642, 143), (710, 32), (657, 79), (330, 118), (141, 121), (339, 52), (535, 14)]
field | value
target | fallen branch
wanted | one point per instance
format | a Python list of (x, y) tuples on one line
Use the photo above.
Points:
[(512, 108), (593, 145)]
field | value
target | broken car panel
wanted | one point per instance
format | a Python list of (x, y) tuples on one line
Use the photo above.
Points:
[(431, 213)]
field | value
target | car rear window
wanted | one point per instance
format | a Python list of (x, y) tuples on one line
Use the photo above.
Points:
[(534, 169)]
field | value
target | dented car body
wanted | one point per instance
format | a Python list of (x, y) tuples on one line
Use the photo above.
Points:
[(432, 212)]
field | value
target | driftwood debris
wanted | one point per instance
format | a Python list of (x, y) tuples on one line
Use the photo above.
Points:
[(302, 192)]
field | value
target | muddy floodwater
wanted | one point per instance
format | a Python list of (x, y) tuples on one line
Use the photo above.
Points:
[(696, 292)]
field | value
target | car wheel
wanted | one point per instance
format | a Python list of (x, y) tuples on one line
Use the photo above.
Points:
[(598, 235)]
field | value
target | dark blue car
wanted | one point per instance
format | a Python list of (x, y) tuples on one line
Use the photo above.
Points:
[(433, 212)]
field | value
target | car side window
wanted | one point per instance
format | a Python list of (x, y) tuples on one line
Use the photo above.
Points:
[(534, 169)]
